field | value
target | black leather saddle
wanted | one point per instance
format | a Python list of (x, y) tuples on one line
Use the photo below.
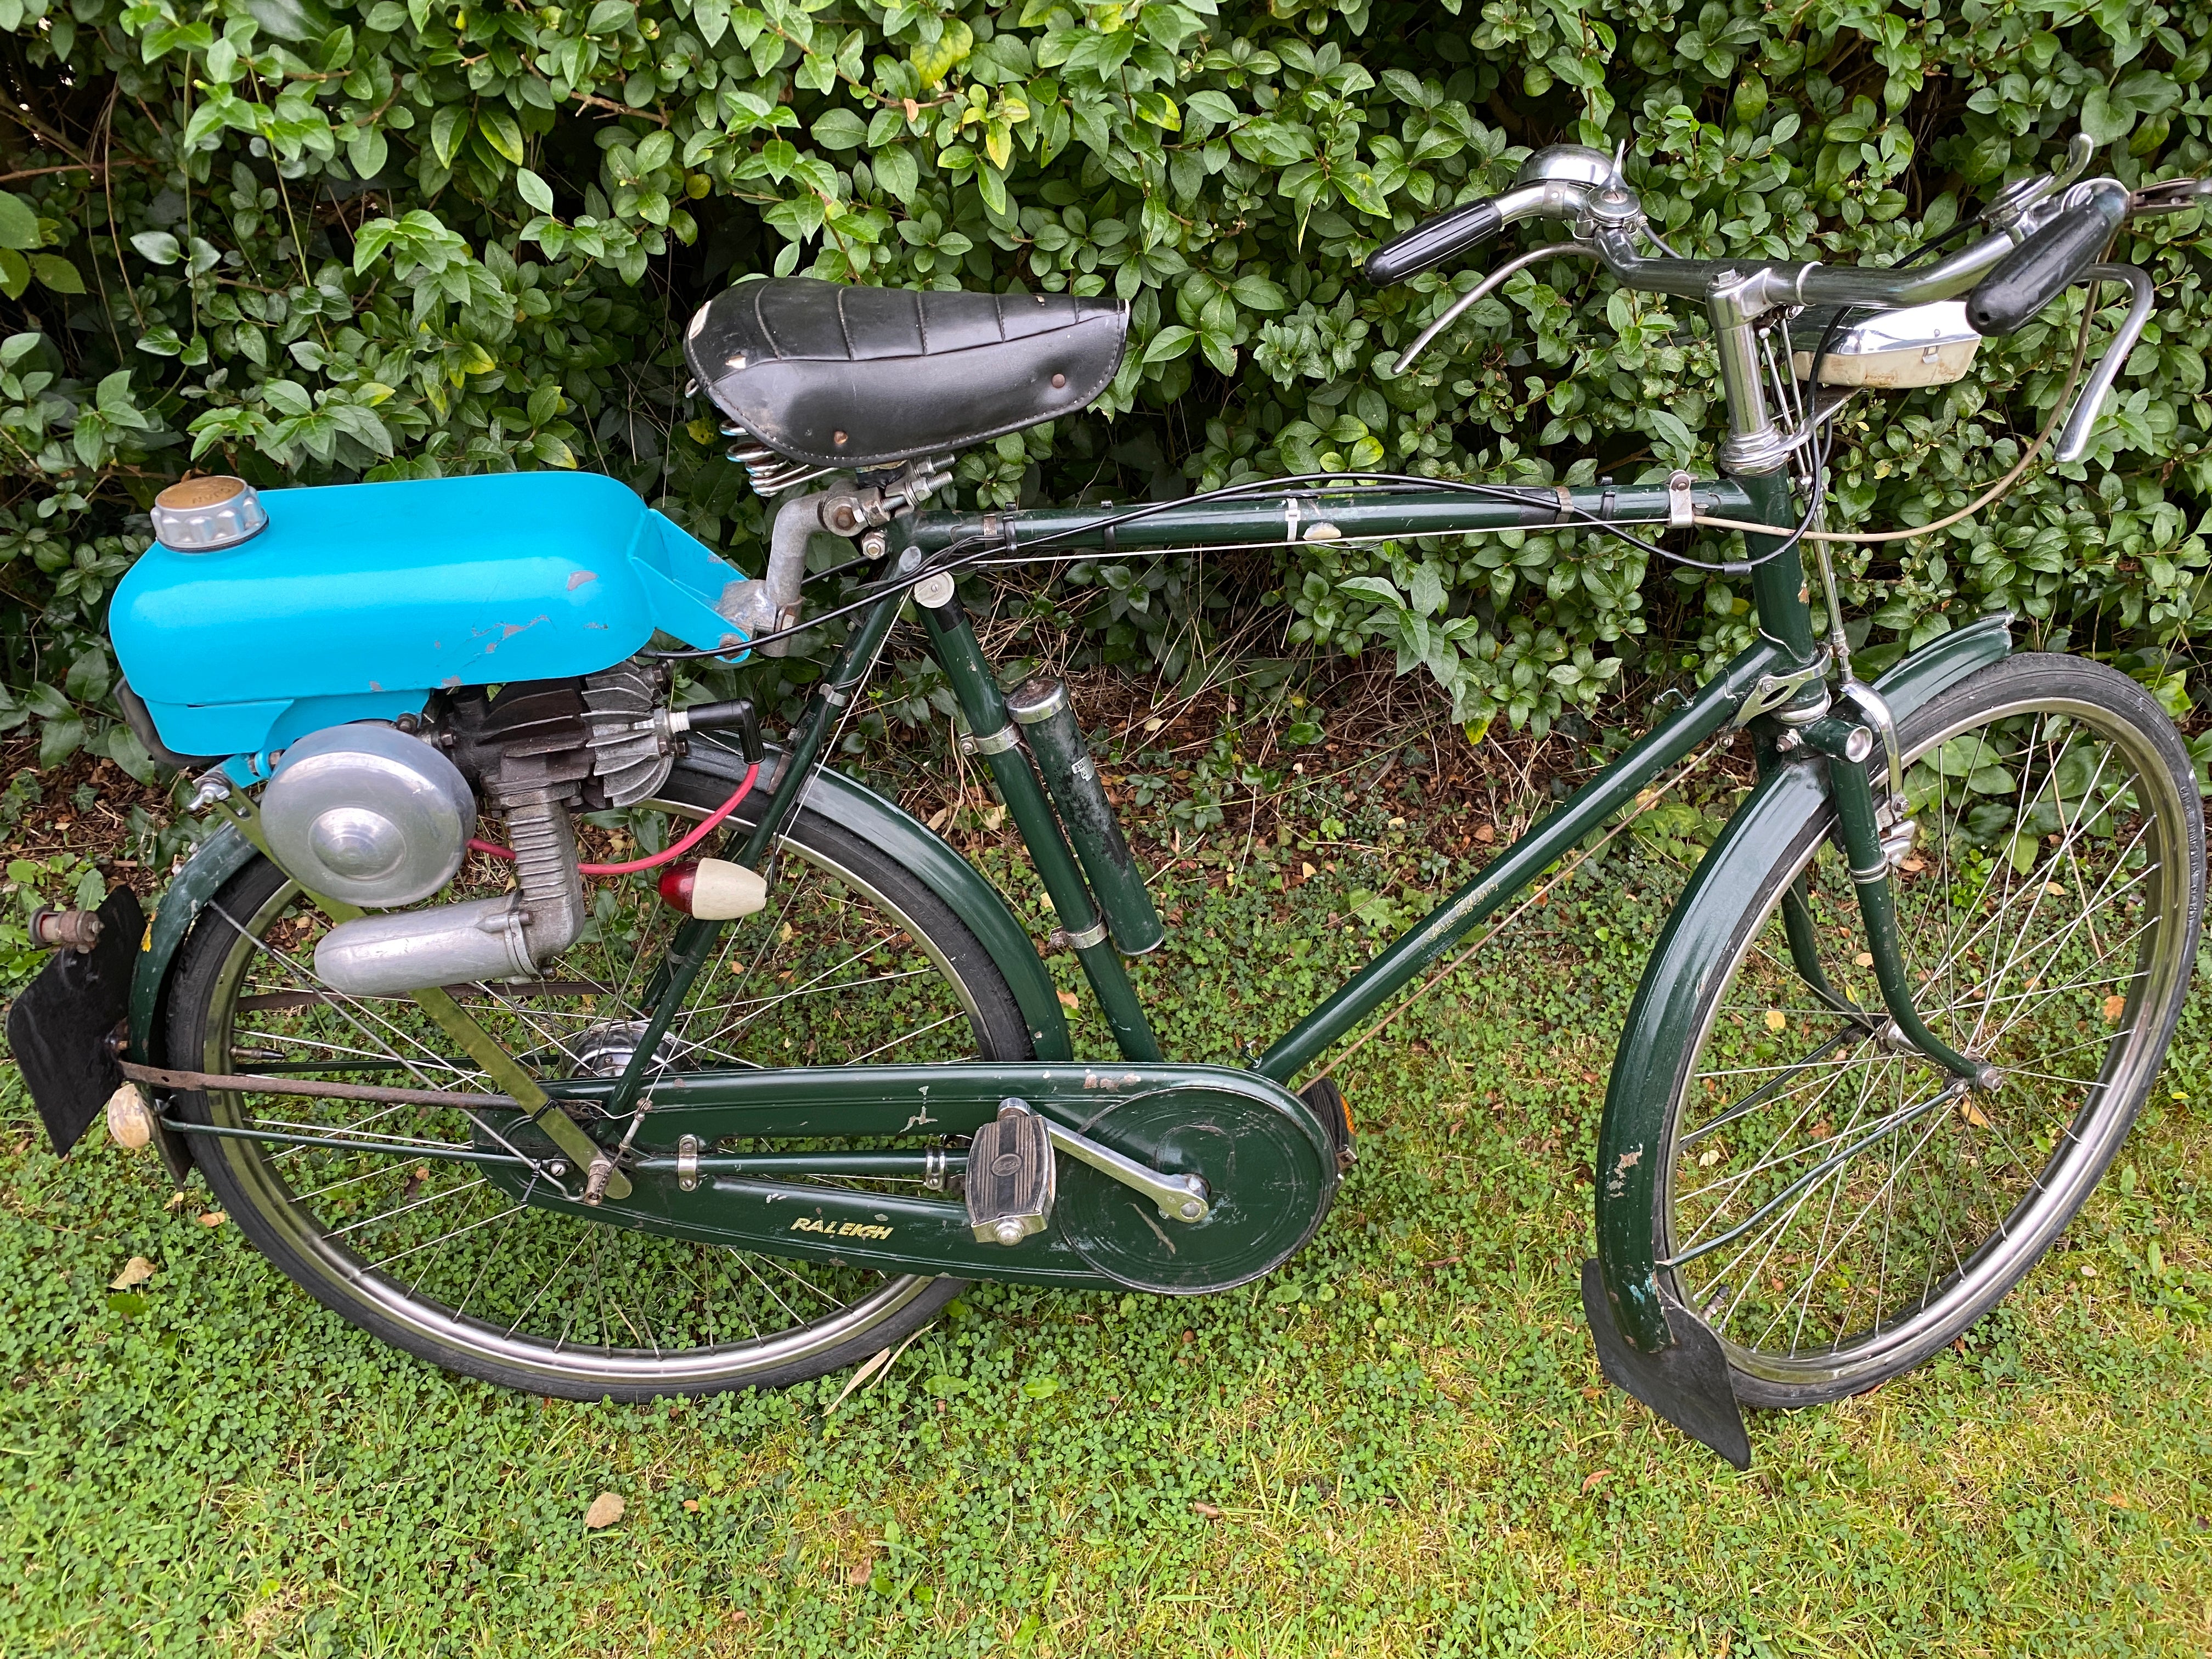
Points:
[(835, 376)]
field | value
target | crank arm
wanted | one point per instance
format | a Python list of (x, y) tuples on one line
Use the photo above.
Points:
[(1180, 1198)]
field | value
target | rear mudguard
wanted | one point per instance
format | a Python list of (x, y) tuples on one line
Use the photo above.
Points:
[(1656, 1350), (895, 833)]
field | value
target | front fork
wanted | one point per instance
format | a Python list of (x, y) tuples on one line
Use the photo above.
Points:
[(1847, 746)]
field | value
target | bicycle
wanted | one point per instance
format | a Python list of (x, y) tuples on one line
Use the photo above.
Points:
[(759, 1121)]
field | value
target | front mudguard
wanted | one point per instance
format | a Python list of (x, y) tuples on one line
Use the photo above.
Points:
[(883, 824), (1651, 1347)]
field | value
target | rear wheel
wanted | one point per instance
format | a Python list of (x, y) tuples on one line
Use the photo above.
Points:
[(853, 959), (1826, 1202)]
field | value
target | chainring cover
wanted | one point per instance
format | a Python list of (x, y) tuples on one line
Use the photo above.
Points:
[(1270, 1170)]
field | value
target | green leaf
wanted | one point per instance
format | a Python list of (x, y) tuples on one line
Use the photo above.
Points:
[(1170, 343), (1672, 432), (56, 273), (1357, 187), (14, 273), (289, 20), (934, 60), (88, 677), (1257, 292), (367, 152), (447, 128), (897, 172), (1159, 109), (610, 16), (19, 225), (502, 132), (1271, 143), (126, 751), (2105, 119), (1213, 108), (158, 246), (533, 190), (839, 128)]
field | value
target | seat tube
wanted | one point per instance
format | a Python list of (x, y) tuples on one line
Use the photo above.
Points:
[(961, 654)]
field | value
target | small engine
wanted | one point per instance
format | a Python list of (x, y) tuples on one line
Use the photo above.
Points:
[(381, 817)]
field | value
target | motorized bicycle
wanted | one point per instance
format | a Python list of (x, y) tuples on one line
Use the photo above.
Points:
[(745, 1117)]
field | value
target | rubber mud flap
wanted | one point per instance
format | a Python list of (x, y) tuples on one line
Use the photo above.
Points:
[(60, 1027), (1687, 1384)]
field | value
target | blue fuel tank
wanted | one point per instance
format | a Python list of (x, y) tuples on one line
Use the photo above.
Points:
[(358, 601)]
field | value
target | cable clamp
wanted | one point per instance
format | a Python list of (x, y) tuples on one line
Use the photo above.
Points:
[(1061, 940), (988, 743), (1681, 511), (1567, 513)]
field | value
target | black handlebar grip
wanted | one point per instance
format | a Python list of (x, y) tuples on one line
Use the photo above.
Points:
[(1432, 241), (2040, 269)]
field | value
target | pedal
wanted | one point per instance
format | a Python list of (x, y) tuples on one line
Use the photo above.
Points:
[(1011, 1179), (1329, 1106)]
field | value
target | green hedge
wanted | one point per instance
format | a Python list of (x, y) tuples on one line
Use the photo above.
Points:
[(310, 242)]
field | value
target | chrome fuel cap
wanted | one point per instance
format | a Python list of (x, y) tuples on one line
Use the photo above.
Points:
[(204, 516)]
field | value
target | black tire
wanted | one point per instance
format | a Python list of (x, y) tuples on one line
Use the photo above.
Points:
[(2052, 911), (293, 1223)]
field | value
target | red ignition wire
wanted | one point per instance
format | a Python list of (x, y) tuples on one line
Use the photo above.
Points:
[(706, 827)]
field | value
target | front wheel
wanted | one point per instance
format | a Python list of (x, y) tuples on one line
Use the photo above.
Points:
[(854, 959), (1826, 1200)]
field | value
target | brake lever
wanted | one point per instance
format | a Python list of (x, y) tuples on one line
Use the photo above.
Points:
[(2006, 211), (2074, 440), (2169, 196), (1482, 290)]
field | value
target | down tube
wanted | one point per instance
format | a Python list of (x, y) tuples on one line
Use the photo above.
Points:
[(1520, 863)]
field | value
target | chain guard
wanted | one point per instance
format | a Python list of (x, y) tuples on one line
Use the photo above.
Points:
[(1270, 1171)]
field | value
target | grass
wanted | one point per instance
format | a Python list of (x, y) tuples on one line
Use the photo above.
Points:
[(1399, 1445)]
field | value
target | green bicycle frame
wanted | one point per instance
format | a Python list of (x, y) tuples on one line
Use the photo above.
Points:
[(1785, 661)]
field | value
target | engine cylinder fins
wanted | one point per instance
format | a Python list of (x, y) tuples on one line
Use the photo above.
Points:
[(627, 732), (367, 814)]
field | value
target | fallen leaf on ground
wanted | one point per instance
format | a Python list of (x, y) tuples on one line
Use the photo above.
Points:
[(1207, 1509), (213, 1218), (1864, 959), (1972, 1114), (692, 1504), (1070, 1001), (607, 1510), (1596, 1475), (2115, 1005), (176, 1200), (858, 1573), (1776, 1019), (137, 1270)]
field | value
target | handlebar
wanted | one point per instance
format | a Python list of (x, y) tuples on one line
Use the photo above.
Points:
[(2048, 233), (1584, 187)]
